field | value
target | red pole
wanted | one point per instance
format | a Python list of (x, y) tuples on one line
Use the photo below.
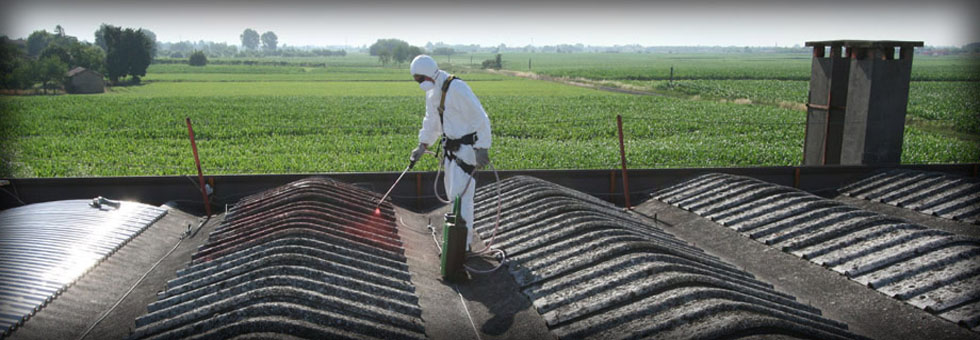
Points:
[(200, 174), (622, 156), (796, 178)]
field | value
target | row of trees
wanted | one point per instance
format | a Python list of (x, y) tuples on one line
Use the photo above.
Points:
[(393, 51), (250, 40), (17, 71), (46, 57)]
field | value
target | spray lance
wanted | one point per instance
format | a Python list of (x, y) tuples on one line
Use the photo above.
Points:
[(411, 164)]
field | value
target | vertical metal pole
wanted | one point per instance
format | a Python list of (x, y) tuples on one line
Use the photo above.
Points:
[(796, 178), (200, 174), (622, 157), (612, 186)]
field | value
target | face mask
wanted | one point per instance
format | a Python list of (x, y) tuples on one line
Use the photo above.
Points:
[(427, 85)]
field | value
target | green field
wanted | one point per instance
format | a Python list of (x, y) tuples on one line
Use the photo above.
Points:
[(952, 104), (358, 116), (633, 66)]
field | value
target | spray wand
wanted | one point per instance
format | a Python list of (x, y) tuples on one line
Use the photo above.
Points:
[(377, 209)]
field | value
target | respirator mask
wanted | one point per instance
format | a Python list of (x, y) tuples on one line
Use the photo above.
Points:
[(424, 84)]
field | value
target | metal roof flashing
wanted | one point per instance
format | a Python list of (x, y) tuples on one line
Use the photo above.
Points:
[(46, 247)]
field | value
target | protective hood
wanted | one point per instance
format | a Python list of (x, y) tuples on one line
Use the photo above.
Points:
[(424, 65)]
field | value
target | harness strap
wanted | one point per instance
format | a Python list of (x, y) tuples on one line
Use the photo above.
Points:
[(442, 102), (459, 162), (454, 144), (450, 146)]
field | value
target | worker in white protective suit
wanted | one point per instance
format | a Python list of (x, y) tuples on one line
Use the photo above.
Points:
[(464, 127)]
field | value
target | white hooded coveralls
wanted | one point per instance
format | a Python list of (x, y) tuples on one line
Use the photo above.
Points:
[(463, 115)]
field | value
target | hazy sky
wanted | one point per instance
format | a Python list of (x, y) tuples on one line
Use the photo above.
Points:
[(515, 23)]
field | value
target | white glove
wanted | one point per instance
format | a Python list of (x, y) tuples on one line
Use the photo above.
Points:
[(482, 157)]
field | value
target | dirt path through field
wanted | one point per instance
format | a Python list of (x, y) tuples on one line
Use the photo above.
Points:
[(605, 85)]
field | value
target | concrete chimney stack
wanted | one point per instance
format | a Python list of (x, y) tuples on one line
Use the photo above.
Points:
[(858, 97)]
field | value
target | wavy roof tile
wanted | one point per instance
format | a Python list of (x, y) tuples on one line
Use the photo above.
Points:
[(593, 271), (931, 269), (934, 193), (309, 259)]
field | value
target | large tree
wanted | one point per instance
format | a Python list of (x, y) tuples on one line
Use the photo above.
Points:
[(269, 41), (88, 56), (250, 39), (38, 41), (128, 52), (393, 50), (12, 60), (152, 37), (100, 37), (50, 71)]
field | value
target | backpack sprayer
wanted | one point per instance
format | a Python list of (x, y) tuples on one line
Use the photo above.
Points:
[(454, 233), (453, 245)]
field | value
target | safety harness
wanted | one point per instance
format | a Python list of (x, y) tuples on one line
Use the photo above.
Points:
[(449, 145)]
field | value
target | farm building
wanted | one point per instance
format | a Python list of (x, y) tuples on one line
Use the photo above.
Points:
[(863, 248), (82, 80), (708, 253)]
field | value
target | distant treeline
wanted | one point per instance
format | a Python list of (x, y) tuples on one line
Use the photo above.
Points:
[(211, 49), (242, 62)]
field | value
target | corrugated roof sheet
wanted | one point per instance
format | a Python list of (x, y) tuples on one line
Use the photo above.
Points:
[(935, 193), (309, 259), (594, 271), (930, 269), (45, 247)]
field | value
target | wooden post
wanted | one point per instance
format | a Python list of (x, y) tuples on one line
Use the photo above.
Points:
[(612, 186), (200, 174)]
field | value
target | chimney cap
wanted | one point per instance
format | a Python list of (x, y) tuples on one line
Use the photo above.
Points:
[(866, 43)]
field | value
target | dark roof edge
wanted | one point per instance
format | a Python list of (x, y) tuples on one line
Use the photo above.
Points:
[(415, 190)]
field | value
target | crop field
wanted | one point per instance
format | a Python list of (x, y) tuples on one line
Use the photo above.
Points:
[(784, 66), (951, 104), (944, 90), (353, 117)]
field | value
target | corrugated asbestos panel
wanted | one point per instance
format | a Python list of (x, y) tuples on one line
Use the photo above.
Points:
[(309, 259), (593, 271), (45, 247), (935, 193), (930, 269)]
